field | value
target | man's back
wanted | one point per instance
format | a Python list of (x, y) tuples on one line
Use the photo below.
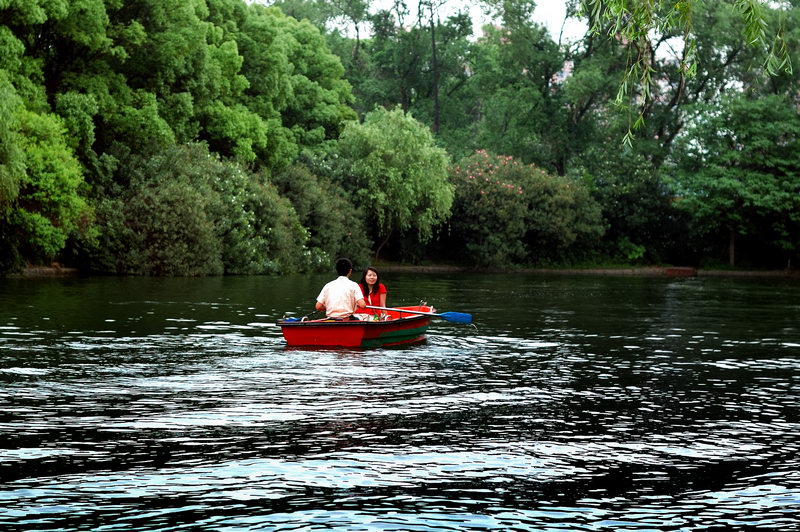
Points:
[(339, 297)]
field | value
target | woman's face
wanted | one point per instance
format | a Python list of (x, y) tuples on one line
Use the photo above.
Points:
[(371, 277)]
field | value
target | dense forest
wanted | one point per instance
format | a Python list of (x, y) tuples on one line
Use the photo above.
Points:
[(205, 137)]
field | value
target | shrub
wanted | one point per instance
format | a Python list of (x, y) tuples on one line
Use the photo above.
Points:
[(279, 231), (172, 232), (184, 211), (506, 213)]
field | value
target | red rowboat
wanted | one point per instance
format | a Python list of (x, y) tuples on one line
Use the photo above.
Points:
[(400, 328)]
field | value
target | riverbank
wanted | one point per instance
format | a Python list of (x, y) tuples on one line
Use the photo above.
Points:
[(54, 270), (645, 271)]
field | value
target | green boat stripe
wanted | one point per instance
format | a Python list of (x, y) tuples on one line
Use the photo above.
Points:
[(396, 336)]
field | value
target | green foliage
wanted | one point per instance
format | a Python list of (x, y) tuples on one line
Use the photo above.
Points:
[(316, 109), (254, 84), (284, 237), (637, 208), (490, 210), (629, 252), (740, 171), (397, 66), (48, 207), (508, 213), (172, 234), (130, 81), (520, 102), (186, 212), (398, 174), (12, 164), (637, 22), (96, 95), (564, 223), (77, 111), (335, 225), (294, 84), (521, 96), (318, 12)]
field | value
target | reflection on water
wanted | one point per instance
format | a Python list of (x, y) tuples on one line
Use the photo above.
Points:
[(578, 403)]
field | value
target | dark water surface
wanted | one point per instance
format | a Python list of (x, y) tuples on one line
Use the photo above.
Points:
[(578, 403)]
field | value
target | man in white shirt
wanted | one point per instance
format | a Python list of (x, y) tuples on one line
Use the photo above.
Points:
[(340, 297)]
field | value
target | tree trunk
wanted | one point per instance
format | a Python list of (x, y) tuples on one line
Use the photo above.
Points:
[(435, 69), (354, 54), (380, 247), (732, 247)]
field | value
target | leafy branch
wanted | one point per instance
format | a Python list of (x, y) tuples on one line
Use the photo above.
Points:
[(632, 22)]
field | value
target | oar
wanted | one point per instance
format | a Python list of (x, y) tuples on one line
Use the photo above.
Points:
[(457, 317)]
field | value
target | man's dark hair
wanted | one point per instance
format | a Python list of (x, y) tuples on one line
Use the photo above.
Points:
[(343, 266)]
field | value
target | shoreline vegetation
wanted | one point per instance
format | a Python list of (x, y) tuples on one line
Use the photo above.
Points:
[(228, 137), (640, 271)]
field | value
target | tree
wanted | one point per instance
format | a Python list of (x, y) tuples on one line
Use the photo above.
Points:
[(49, 207), (294, 84), (642, 223), (399, 175), (520, 102), (739, 172), (317, 106), (354, 12), (318, 12), (12, 165), (186, 211), (336, 227), (636, 23)]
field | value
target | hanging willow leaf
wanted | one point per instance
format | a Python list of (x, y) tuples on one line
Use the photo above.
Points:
[(633, 22)]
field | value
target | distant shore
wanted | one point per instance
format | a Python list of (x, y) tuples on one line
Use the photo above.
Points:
[(47, 271), (645, 271)]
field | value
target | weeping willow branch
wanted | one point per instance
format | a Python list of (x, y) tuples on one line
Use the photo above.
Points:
[(632, 22)]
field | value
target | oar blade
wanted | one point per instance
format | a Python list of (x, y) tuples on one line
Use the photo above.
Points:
[(457, 317)]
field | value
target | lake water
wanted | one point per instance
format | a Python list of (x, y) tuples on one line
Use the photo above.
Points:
[(576, 403)]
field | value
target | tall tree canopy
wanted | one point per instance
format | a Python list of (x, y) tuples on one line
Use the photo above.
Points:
[(88, 87)]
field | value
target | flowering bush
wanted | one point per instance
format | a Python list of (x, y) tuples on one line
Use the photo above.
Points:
[(509, 213)]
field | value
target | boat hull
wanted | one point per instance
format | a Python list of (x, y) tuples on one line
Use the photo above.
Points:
[(401, 328)]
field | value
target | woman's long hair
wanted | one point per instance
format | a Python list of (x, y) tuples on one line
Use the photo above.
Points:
[(363, 281)]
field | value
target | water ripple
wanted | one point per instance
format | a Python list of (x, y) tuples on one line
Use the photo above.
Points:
[(614, 405)]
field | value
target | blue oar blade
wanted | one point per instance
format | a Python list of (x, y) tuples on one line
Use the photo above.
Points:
[(457, 317)]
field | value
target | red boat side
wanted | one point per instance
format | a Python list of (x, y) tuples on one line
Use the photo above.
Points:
[(400, 328)]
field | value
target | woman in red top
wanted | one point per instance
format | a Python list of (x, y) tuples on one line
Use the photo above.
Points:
[(374, 293)]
